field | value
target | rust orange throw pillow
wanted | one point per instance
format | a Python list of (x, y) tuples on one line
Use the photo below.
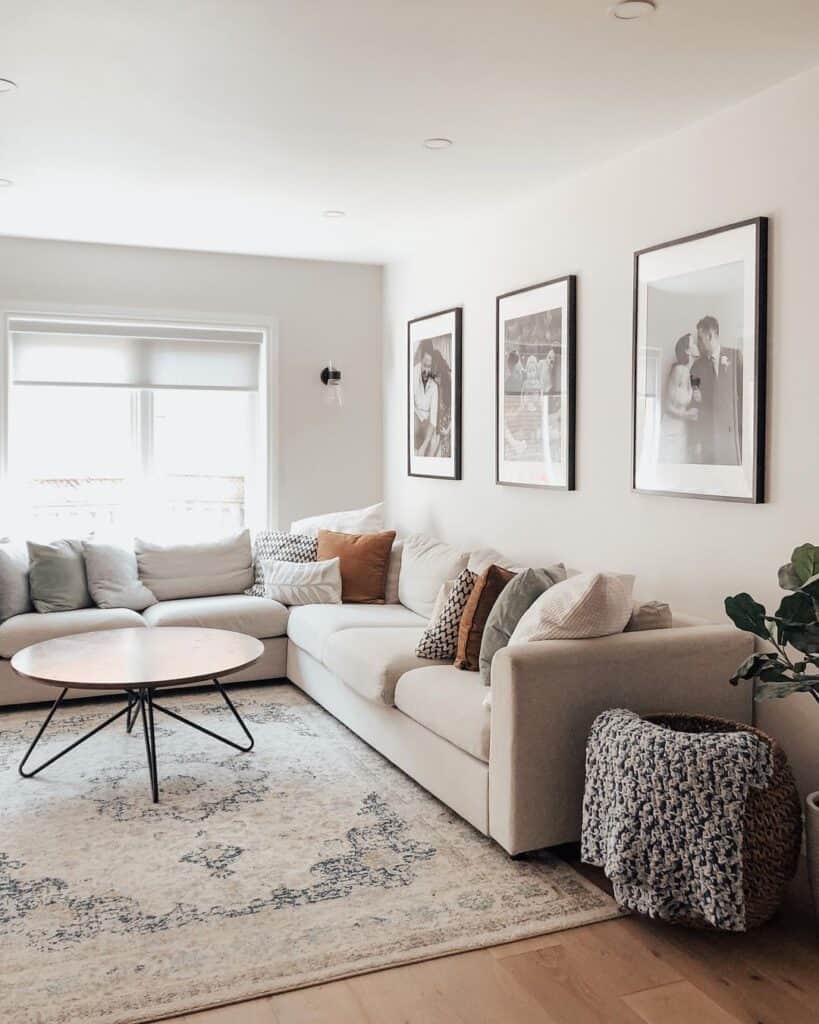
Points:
[(470, 633), (364, 560)]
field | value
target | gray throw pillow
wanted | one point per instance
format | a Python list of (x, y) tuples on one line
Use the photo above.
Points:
[(15, 598), (514, 600), (57, 576), (113, 580)]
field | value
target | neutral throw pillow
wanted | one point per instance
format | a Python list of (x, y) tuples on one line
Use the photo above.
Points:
[(585, 606), (649, 615), (57, 576), (426, 563), (514, 600), (365, 558), (484, 594), (15, 597), (394, 573), (481, 558), (440, 638), (113, 577), (207, 569), (275, 546), (357, 520), (303, 582)]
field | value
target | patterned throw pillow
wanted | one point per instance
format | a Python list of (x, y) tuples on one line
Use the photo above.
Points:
[(440, 639), (275, 546)]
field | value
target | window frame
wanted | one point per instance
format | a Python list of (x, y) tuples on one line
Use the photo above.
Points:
[(260, 511)]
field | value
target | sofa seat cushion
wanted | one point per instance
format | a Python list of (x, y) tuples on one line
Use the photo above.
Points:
[(449, 703), (311, 625), (255, 616), (24, 630), (371, 661)]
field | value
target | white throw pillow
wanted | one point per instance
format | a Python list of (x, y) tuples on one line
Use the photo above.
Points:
[(196, 570), (358, 520), (482, 558), (426, 564), (113, 579), (303, 582), (393, 573), (586, 605)]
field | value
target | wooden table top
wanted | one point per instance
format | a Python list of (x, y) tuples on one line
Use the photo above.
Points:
[(150, 656)]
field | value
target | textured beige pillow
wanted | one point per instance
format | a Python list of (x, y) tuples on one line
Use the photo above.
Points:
[(583, 606), (649, 615)]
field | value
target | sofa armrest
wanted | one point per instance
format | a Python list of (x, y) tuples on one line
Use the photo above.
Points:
[(545, 696)]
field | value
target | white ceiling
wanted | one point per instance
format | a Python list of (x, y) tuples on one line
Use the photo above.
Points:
[(232, 124)]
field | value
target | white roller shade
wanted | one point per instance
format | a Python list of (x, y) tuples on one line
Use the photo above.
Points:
[(114, 355)]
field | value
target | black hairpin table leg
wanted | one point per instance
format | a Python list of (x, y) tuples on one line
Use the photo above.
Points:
[(71, 746), (146, 702), (209, 732), (133, 710)]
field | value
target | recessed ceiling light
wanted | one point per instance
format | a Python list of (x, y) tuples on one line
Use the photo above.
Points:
[(6, 182), (631, 10), (6, 85), (334, 213), (438, 143)]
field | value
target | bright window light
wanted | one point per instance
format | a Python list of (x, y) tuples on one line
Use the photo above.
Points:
[(114, 461)]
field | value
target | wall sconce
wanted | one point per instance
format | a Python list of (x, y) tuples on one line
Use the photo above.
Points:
[(331, 378)]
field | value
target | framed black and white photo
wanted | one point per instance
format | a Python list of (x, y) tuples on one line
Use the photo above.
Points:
[(434, 395), (700, 310), (535, 385)]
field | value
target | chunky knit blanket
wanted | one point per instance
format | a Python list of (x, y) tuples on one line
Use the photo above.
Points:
[(663, 816)]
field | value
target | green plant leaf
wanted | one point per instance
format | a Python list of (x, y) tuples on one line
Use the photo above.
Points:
[(753, 665), (803, 638), (788, 578), (747, 615), (776, 691), (796, 610), (811, 588), (805, 562)]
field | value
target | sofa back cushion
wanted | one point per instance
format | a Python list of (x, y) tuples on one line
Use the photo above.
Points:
[(365, 560), (57, 577), (584, 606), (485, 593), (426, 564), (223, 566), (506, 612), (15, 597), (113, 577), (357, 520)]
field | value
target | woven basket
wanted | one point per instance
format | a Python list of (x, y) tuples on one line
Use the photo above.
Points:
[(772, 831)]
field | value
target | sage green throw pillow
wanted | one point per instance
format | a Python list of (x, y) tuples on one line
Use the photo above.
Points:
[(14, 592), (515, 598), (57, 576)]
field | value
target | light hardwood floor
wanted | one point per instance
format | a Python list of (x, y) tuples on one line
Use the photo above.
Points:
[(627, 971)]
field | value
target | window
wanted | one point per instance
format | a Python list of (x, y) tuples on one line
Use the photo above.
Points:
[(156, 430)]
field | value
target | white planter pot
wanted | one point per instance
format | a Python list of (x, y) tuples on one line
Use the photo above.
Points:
[(812, 831)]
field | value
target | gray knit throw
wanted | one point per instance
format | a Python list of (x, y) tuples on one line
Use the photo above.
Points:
[(663, 816)]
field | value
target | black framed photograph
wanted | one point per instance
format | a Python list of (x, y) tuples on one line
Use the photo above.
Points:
[(535, 385), (434, 395), (700, 314)]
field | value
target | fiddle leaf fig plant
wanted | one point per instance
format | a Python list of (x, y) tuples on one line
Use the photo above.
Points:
[(792, 631)]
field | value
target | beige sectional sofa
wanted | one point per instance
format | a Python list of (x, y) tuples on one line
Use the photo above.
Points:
[(513, 769)]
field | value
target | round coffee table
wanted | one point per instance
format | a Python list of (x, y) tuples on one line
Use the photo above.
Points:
[(137, 661)]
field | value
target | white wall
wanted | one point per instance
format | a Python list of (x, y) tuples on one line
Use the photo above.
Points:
[(327, 458), (760, 158)]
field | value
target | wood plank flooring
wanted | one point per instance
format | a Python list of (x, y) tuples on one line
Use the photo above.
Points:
[(626, 971)]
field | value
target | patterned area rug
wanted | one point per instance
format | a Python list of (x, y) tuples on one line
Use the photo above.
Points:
[(308, 859)]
